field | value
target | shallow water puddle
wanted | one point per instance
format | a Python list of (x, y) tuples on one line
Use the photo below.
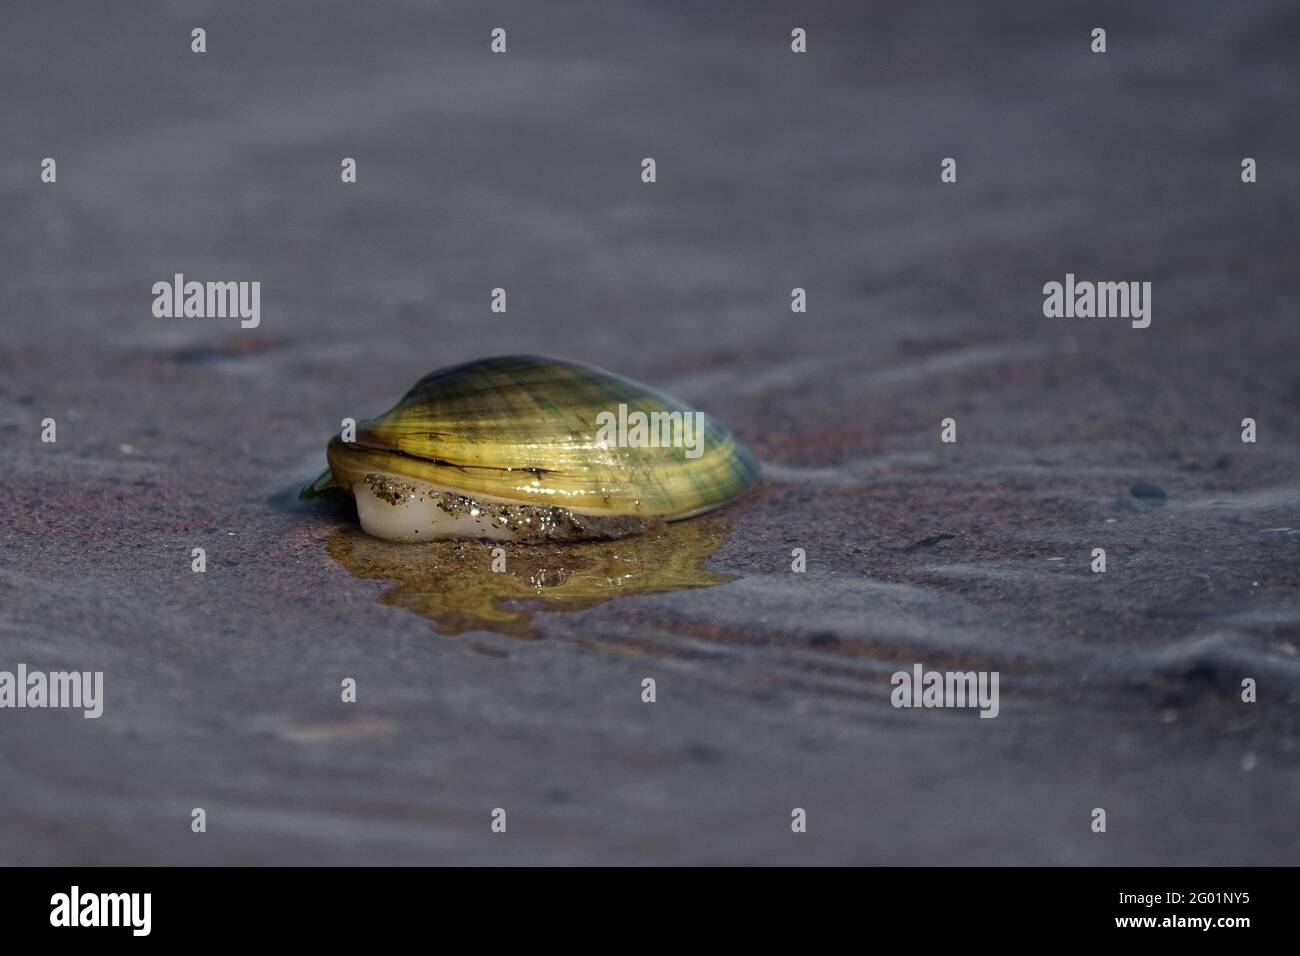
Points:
[(452, 582)]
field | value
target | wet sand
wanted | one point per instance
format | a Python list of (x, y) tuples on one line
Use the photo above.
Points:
[(1118, 690)]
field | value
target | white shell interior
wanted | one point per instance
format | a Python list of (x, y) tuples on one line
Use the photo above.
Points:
[(418, 518)]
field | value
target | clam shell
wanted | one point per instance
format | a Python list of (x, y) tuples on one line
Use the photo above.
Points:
[(524, 430)]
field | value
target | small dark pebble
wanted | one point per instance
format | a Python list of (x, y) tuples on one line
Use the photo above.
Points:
[(824, 639), (930, 542), (1153, 495)]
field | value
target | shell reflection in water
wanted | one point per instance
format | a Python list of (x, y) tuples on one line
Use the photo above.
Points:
[(452, 582)]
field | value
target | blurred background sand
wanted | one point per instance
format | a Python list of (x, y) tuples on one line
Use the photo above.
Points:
[(774, 171)]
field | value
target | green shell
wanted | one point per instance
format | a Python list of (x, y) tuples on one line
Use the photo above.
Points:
[(525, 429)]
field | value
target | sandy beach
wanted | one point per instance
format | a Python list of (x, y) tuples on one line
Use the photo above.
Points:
[(221, 690)]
